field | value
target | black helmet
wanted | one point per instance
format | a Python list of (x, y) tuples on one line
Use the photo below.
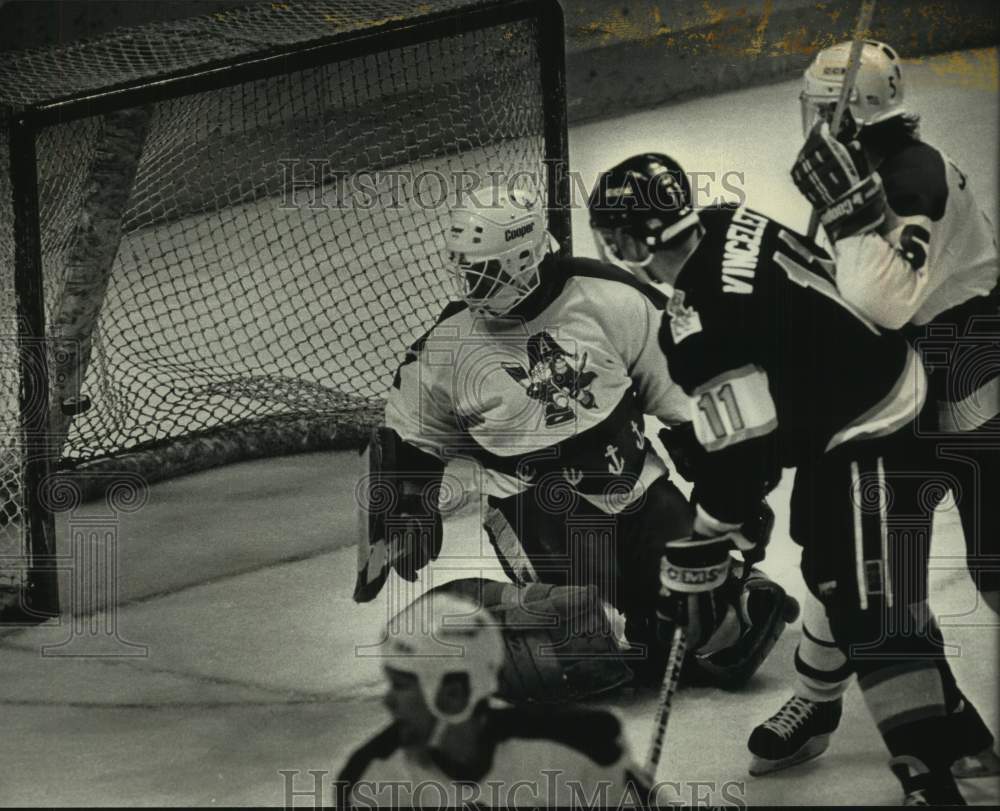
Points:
[(647, 196)]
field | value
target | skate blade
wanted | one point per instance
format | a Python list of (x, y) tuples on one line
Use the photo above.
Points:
[(985, 764), (814, 747)]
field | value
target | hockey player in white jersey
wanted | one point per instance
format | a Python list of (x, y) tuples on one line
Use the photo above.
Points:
[(542, 371), (914, 253), (448, 747)]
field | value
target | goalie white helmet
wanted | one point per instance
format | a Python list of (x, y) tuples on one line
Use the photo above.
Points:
[(878, 89), (441, 634), (496, 242)]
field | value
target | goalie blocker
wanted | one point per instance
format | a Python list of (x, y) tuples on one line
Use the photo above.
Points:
[(399, 523)]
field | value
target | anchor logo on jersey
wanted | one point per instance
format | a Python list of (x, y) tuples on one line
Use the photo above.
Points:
[(554, 378), (615, 464)]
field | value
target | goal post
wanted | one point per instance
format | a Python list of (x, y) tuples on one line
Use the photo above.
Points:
[(218, 234)]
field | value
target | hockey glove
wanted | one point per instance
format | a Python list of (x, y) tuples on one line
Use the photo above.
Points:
[(757, 530), (414, 532), (835, 179), (684, 449), (401, 526), (690, 571)]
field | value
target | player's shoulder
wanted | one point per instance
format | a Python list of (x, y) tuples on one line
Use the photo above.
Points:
[(699, 279), (612, 280), (382, 747), (453, 309), (728, 258), (588, 732), (915, 179)]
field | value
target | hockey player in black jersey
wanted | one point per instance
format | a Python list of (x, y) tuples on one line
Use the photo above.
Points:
[(782, 372), (542, 371), (914, 253)]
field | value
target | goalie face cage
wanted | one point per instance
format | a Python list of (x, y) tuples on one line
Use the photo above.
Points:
[(224, 231)]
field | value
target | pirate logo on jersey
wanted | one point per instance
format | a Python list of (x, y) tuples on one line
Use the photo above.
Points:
[(554, 378)]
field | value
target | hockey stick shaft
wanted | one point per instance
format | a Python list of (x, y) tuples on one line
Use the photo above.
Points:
[(678, 647), (853, 64)]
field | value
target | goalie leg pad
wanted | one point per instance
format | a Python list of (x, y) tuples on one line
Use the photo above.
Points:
[(560, 641), (760, 611)]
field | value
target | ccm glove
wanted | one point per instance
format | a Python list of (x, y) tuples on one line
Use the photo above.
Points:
[(835, 179), (690, 571)]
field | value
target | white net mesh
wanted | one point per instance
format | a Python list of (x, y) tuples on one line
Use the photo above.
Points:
[(282, 241)]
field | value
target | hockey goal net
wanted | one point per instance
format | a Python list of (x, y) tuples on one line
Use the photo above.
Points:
[(217, 235)]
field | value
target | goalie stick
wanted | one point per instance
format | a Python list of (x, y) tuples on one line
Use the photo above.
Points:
[(853, 63)]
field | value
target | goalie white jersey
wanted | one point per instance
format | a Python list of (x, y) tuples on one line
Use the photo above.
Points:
[(554, 393)]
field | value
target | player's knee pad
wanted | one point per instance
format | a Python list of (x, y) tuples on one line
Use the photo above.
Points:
[(561, 643), (755, 613)]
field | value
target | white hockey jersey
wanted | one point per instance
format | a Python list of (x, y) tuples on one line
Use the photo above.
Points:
[(543, 758), (933, 264), (555, 394)]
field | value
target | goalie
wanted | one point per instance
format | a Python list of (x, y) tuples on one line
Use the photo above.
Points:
[(543, 373)]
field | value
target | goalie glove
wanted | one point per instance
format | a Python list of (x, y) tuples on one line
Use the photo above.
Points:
[(836, 180)]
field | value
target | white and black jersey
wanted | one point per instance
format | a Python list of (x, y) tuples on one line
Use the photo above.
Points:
[(932, 270), (555, 392), (529, 757)]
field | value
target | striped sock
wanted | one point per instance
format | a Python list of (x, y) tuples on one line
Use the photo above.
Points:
[(823, 669)]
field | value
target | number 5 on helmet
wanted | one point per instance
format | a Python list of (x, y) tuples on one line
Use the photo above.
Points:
[(399, 523)]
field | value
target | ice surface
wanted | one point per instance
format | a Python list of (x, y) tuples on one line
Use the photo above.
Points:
[(235, 583)]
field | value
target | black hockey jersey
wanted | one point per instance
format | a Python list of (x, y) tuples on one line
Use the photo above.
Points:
[(554, 394), (551, 757), (932, 270), (779, 367)]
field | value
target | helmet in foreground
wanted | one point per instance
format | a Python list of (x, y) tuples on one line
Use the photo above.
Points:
[(878, 89), (496, 243), (439, 635), (644, 202)]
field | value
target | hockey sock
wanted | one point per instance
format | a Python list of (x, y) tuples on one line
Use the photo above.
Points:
[(824, 671), (906, 701)]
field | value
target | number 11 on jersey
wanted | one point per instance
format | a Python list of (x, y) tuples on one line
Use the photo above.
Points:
[(733, 407)]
